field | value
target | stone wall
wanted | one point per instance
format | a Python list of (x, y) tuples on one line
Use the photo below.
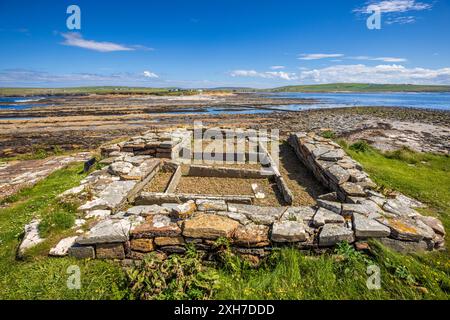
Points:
[(125, 223), (331, 165)]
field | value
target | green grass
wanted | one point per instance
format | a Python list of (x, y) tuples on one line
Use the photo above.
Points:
[(38, 277), (296, 275), (287, 274)]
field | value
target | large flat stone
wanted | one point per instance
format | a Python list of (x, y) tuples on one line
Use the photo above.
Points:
[(288, 231), (324, 216), (301, 214), (333, 155), (433, 223), (31, 237), (148, 210), (241, 218), (251, 235), (142, 245), (337, 174), (82, 252), (405, 247), (211, 205), (402, 229), (63, 246), (209, 226), (107, 231), (110, 251), (169, 241), (368, 228), (353, 189), (335, 207), (116, 192), (156, 226), (397, 207), (332, 234), (366, 207), (259, 215)]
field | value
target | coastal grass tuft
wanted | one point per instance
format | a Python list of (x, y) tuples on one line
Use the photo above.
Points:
[(38, 277)]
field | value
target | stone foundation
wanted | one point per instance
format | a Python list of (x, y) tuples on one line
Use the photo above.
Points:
[(127, 223)]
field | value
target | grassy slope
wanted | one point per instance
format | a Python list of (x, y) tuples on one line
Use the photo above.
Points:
[(362, 87), (39, 277), (297, 275), (290, 274)]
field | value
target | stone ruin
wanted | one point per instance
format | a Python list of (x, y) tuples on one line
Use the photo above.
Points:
[(120, 220)]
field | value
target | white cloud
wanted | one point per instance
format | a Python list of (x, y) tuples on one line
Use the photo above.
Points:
[(389, 6), (266, 75), (377, 74), (149, 74), (384, 59), (277, 67), (317, 56), (74, 39)]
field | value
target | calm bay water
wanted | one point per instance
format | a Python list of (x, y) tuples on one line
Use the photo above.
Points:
[(438, 101)]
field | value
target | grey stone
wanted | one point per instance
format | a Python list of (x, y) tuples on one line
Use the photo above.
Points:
[(332, 196), (366, 208), (82, 252), (95, 204), (353, 189), (211, 205), (148, 210), (403, 229), (368, 228), (396, 207), (31, 237), (333, 155), (301, 214), (409, 202), (101, 214), (241, 218), (107, 231), (259, 215), (433, 223), (116, 192), (337, 174), (320, 150), (336, 207), (120, 168), (404, 246), (332, 234), (324, 216), (62, 248), (288, 231)]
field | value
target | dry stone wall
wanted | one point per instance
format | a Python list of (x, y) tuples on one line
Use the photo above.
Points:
[(118, 221)]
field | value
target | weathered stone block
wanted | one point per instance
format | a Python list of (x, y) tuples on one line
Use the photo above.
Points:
[(209, 226), (142, 245), (288, 231), (82, 252), (332, 234), (110, 251), (251, 235)]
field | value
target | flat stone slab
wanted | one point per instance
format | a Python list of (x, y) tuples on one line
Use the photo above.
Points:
[(209, 226), (368, 228), (116, 192), (324, 216), (98, 214), (241, 218), (288, 231), (149, 210), (156, 226), (110, 251), (397, 207), (332, 234), (82, 252), (433, 223), (301, 214), (353, 189), (405, 247), (402, 229), (333, 155), (337, 174), (211, 205), (367, 208), (142, 245), (31, 237), (119, 168), (62, 248), (251, 235), (107, 231), (335, 207), (259, 215)]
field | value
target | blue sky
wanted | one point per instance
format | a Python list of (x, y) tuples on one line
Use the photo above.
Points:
[(204, 43)]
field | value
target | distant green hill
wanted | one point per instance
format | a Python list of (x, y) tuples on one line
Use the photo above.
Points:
[(362, 87)]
